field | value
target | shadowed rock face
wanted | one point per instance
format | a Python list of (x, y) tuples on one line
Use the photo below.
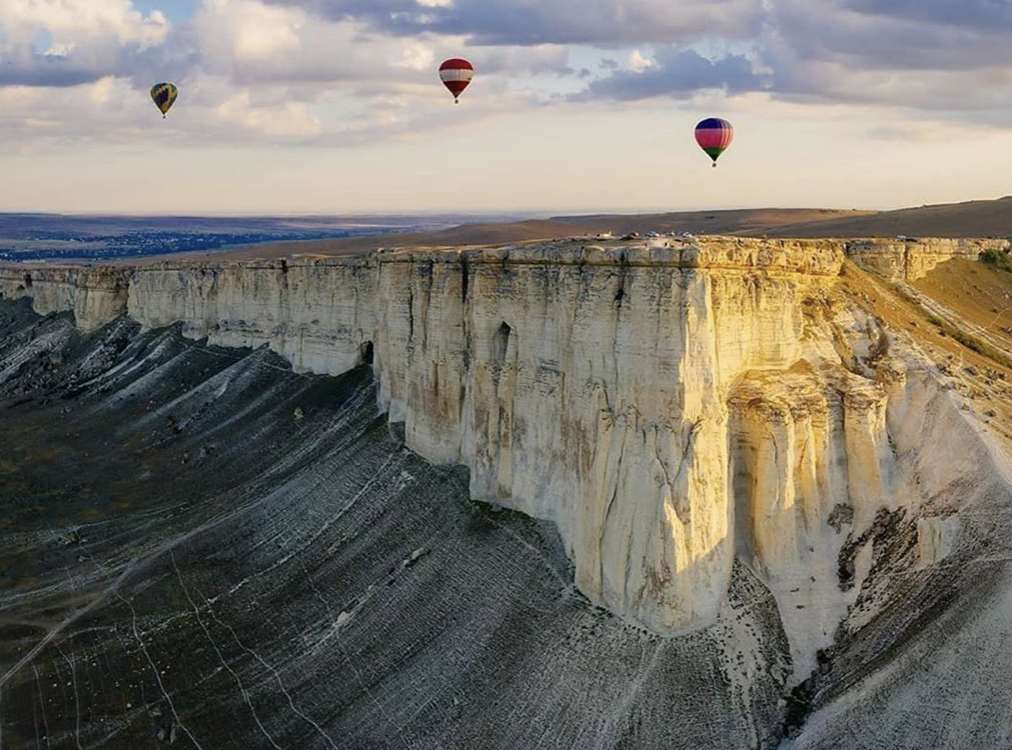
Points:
[(198, 545)]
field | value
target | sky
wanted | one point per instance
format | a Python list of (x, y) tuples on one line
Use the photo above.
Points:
[(334, 106)]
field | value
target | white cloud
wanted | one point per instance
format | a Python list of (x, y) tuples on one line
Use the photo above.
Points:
[(80, 23), (637, 63), (338, 71), (87, 39), (289, 120), (253, 42), (249, 31), (417, 56)]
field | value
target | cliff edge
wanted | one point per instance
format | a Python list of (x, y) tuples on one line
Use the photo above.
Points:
[(670, 405)]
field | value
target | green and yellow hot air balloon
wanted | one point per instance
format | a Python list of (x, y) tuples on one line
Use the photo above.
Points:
[(164, 96)]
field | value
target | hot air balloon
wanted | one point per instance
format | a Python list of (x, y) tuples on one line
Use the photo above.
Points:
[(456, 74), (714, 136), (164, 96)]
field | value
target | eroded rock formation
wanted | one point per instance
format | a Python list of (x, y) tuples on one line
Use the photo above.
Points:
[(667, 405), (909, 260), (95, 295)]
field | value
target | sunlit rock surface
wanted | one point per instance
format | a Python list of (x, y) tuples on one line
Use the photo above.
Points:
[(911, 259)]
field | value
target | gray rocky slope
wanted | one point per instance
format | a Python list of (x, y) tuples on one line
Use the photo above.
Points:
[(183, 558), (199, 546)]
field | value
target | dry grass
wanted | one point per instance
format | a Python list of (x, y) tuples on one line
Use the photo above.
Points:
[(745, 221), (960, 315), (972, 219)]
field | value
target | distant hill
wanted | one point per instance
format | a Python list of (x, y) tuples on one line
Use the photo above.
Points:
[(108, 238), (22, 226), (697, 222), (973, 219)]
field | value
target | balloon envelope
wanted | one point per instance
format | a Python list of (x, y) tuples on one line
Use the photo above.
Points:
[(456, 75), (714, 136), (164, 96)]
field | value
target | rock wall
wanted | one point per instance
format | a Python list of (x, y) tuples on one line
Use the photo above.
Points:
[(95, 295), (910, 260), (584, 385), (668, 405), (315, 313)]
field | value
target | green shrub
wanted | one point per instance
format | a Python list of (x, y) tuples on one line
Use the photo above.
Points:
[(996, 259)]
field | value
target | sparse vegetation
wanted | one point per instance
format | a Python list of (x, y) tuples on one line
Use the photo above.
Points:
[(996, 259), (946, 329), (971, 342)]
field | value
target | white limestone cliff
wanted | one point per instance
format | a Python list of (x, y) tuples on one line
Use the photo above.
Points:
[(668, 405), (910, 260), (94, 295)]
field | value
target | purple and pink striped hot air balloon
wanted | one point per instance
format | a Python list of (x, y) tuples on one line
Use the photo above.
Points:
[(714, 136), (456, 75)]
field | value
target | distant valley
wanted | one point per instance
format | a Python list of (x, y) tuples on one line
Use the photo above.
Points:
[(55, 237)]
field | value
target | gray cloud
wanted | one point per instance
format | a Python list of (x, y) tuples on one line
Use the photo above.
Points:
[(927, 55), (875, 34), (508, 22), (983, 15), (678, 74), (952, 58), (817, 50), (47, 71), (61, 71)]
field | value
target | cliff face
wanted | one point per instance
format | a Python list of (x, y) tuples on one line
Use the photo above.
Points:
[(584, 385), (912, 259), (667, 405), (177, 534), (95, 295)]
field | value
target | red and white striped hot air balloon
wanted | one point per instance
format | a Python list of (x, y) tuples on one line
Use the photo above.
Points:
[(456, 74)]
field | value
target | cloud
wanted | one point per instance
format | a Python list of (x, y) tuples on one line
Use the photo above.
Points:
[(892, 52), (250, 31), (57, 43), (901, 37), (250, 42), (248, 72), (533, 22), (678, 74), (913, 53), (991, 16), (339, 71), (287, 120)]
